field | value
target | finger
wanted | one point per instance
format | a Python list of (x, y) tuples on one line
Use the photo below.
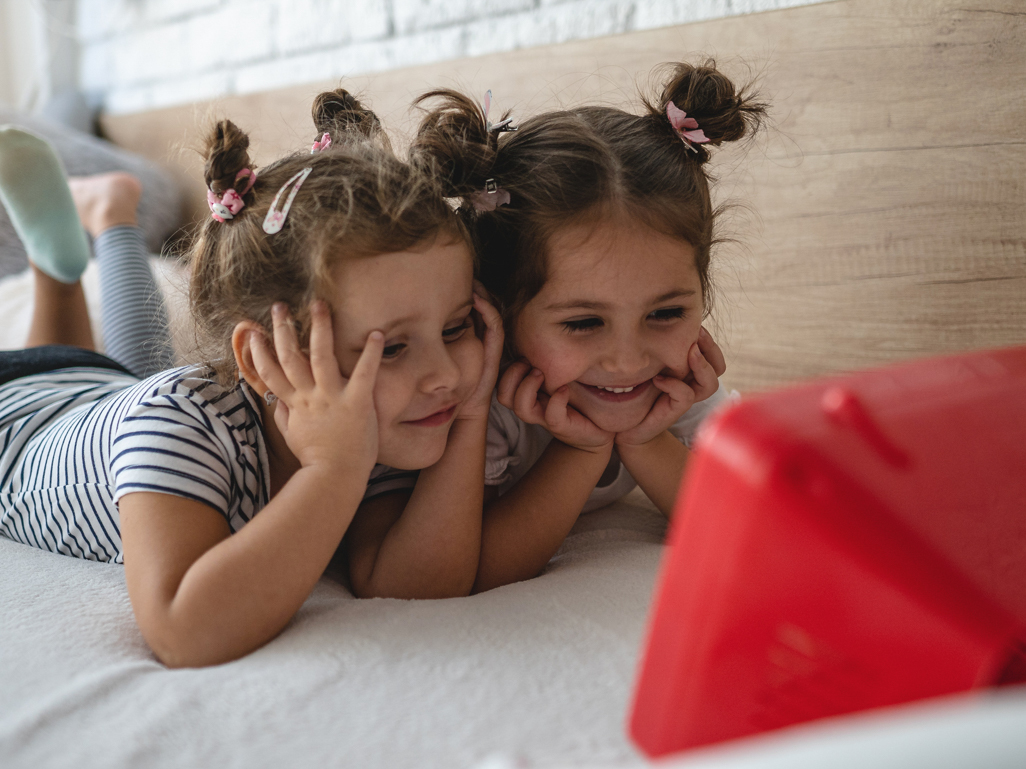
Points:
[(361, 383), (712, 352), (267, 366), (286, 345), (556, 409), (525, 401), (483, 292), (493, 334), (678, 394), (510, 381), (706, 382), (323, 362)]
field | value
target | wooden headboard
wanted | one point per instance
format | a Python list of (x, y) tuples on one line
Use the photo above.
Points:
[(883, 213)]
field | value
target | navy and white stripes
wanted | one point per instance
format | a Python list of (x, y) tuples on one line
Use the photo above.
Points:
[(74, 441)]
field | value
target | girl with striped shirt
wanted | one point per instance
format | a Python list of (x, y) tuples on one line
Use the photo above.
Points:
[(341, 408)]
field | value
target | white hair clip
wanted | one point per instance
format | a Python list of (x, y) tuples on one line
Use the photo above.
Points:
[(501, 126), (275, 219)]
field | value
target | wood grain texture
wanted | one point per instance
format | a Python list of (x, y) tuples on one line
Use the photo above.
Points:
[(883, 214)]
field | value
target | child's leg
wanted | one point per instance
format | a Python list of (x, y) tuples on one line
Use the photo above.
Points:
[(36, 197), (135, 326)]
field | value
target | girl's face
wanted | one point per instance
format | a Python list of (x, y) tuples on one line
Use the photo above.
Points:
[(421, 300), (622, 303)]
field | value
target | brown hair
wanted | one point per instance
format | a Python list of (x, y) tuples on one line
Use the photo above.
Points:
[(359, 200), (576, 165)]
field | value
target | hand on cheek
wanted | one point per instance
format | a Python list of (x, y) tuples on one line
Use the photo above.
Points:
[(676, 398), (316, 404), (520, 390)]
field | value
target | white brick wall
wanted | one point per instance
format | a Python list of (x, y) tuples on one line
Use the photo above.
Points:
[(142, 54)]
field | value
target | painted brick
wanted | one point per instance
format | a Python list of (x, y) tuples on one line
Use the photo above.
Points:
[(153, 54), (197, 88), (413, 16), (98, 19), (553, 24), (306, 25), (251, 37), (167, 10), (279, 73)]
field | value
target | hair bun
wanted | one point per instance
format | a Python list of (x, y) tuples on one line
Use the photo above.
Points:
[(454, 138), (341, 115), (724, 112), (227, 153)]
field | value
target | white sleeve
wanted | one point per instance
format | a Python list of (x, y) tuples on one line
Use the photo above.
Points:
[(685, 428), (500, 444)]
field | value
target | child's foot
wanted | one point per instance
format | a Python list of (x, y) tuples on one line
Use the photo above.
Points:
[(34, 192), (106, 200)]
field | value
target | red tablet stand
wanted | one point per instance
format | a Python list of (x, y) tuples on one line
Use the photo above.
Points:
[(848, 544)]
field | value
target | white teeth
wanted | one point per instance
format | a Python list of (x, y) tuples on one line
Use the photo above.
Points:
[(616, 389)]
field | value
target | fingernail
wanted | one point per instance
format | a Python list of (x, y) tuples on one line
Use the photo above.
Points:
[(278, 309), (536, 372), (702, 332), (377, 336)]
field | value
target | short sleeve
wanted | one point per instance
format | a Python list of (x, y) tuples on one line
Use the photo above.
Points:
[(500, 444), (167, 443), (686, 428)]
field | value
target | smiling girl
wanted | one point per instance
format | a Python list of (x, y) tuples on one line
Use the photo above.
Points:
[(226, 488), (595, 228)]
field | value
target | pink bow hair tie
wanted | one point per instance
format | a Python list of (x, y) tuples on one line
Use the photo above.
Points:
[(686, 127), (231, 202), (322, 144)]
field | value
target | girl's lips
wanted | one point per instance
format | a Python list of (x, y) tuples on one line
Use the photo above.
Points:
[(433, 420), (611, 397)]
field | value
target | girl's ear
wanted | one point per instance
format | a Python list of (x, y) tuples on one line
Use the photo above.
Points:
[(242, 346)]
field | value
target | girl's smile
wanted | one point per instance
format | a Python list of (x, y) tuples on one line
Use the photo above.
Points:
[(621, 305), (421, 300)]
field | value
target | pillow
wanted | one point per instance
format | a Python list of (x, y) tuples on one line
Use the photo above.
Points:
[(160, 210)]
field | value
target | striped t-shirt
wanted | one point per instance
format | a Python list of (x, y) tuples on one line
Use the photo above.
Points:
[(75, 440)]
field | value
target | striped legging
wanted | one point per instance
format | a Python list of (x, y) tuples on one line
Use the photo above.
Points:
[(133, 316)]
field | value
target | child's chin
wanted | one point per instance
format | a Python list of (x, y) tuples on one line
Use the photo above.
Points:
[(411, 457), (617, 423)]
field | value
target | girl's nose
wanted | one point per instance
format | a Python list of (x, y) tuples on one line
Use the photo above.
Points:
[(627, 356), (441, 371)]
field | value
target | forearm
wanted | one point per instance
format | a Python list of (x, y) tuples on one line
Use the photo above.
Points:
[(432, 549), (242, 592), (657, 466), (524, 528)]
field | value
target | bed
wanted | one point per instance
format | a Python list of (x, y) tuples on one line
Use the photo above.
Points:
[(882, 218)]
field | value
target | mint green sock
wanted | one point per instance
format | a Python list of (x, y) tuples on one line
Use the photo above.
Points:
[(35, 193)]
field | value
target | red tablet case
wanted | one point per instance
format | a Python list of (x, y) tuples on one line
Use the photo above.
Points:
[(848, 544)]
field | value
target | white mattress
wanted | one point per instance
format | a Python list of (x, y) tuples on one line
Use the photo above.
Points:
[(535, 674)]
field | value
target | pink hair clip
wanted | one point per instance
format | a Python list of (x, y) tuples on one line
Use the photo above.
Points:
[(686, 127), (275, 219), (501, 126), (322, 144), (491, 197), (231, 202)]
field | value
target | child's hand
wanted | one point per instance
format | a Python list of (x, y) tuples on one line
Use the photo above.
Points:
[(326, 420), (706, 362), (490, 331), (520, 390)]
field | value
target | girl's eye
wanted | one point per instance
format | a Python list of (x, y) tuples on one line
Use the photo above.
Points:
[(668, 313), (583, 324), (454, 333), (392, 351)]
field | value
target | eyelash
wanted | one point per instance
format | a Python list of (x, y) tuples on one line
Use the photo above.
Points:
[(586, 324), (449, 335)]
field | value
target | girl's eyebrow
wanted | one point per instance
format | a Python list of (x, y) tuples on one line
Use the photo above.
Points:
[(583, 304)]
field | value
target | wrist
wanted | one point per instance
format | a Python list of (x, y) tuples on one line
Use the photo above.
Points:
[(629, 447), (600, 450)]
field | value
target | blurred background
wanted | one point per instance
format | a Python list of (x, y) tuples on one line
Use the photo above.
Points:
[(127, 56)]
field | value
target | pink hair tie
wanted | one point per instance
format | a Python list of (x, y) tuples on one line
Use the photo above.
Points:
[(231, 202), (686, 127), (322, 144), (490, 198)]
